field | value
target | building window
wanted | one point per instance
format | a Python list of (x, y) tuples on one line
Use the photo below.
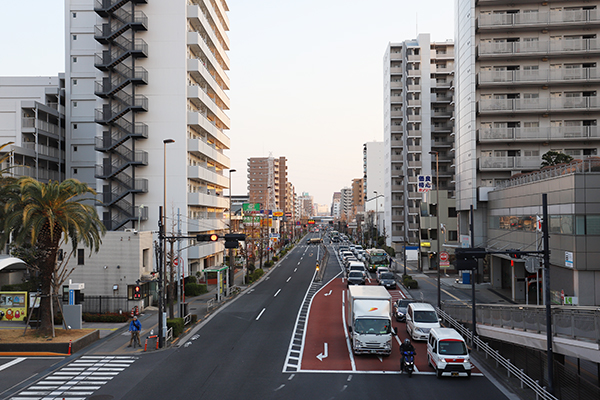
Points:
[(453, 236), (74, 37), (74, 15), (74, 59), (74, 171), (74, 81), (74, 126), (80, 256), (74, 148), (452, 212), (74, 104)]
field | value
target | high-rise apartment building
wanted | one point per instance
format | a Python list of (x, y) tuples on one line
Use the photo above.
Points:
[(32, 118), (146, 106), (373, 177), (268, 184), (336, 208), (418, 120), (527, 83), (358, 196), (346, 204)]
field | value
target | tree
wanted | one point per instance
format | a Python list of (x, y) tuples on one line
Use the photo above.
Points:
[(48, 215), (554, 158)]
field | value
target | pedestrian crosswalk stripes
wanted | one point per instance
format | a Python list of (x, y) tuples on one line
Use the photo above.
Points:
[(77, 380)]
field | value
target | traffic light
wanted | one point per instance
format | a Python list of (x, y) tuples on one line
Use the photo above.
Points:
[(137, 292), (211, 237), (232, 240), (514, 253), (466, 258)]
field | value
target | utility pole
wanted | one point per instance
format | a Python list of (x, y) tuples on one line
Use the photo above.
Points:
[(550, 360), (161, 234)]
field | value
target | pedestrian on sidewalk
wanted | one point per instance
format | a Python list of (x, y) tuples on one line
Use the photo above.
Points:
[(135, 327)]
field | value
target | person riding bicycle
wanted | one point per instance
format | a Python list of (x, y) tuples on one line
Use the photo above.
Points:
[(406, 346)]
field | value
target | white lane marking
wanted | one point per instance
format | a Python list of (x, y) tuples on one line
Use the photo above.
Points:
[(349, 378), (11, 363), (261, 313), (291, 377), (328, 294), (324, 354), (288, 279), (344, 388), (267, 278), (280, 387), (380, 359), (344, 327), (276, 293), (299, 262), (295, 269)]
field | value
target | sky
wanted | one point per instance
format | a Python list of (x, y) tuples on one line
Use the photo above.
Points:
[(306, 76)]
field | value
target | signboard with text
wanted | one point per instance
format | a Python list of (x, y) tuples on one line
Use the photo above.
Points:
[(423, 183)]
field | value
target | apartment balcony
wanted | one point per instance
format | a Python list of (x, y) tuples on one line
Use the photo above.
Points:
[(197, 43), (200, 72), (205, 249), (539, 77), (539, 20), (203, 149), (509, 163), (221, 28), (558, 104), (413, 133), (396, 114), (546, 134), (30, 125), (396, 56), (397, 158), (396, 129), (397, 203), (414, 149), (441, 70), (198, 95), (445, 128), (441, 99), (414, 102), (413, 72), (448, 55), (574, 47), (442, 84), (396, 71), (199, 120), (442, 114), (397, 188), (207, 200), (442, 145), (414, 118), (196, 15), (396, 85), (413, 88), (396, 143), (207, 174)]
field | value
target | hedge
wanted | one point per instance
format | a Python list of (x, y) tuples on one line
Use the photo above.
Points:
[(409, 282), (106, 317), (195, 289), (176, 324), (255, 275)]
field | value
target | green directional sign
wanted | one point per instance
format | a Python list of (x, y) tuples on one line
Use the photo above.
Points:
[(251, 208)]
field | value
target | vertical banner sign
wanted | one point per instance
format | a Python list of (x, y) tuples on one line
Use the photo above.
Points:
[(424, 183)]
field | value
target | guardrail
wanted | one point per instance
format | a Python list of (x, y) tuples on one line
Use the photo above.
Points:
[(480, 345), (578, 323), (187, 319), (322, 262), (170, 334), (210, 304)]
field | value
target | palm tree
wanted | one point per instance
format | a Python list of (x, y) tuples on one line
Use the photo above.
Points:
[(48, 215)]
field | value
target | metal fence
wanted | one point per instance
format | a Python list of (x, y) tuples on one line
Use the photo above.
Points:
[(579, 323), (106, 304)]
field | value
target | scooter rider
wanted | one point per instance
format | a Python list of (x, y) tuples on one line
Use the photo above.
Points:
[(406, 346)]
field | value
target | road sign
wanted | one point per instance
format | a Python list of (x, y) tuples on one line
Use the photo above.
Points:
[(444, 256)]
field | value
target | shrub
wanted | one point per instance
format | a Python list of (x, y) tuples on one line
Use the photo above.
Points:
[(275, 258), (409, 282), (190, 279), (255, 275), (195, 289), (176, 324), (251, 268), (194, 318), (106, 317), (268, 264)]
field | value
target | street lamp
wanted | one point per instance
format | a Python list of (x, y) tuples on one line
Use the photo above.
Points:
[(163, 241), (231, 271), (437, 195)]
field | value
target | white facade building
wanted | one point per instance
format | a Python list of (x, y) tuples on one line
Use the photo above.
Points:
[(527, 83), (418, 120), (138, 73), (373, 175), (32, 118)]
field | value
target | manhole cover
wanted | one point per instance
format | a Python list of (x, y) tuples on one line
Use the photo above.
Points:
[(102, 397)]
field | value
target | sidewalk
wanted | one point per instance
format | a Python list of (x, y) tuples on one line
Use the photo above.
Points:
[(115, 337)]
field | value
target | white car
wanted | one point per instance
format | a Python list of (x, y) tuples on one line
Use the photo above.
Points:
[(381, 270)]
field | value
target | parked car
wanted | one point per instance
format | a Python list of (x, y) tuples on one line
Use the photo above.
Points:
[(356, 278), (388, 280), (400, 307)]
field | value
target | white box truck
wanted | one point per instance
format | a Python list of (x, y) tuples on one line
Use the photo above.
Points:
[(369, 319)]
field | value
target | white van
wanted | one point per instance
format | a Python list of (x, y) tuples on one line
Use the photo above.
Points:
[(448, 352), (420, 318)]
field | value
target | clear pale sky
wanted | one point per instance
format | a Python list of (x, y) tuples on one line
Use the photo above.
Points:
[(307, 75)]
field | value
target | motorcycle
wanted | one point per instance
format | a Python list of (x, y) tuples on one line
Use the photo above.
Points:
[(408, 362)]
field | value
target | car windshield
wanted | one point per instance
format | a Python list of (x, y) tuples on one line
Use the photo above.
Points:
[(453, 348), (426, 316), (372, 326), (387, 275), (355, 274), (403, 303)]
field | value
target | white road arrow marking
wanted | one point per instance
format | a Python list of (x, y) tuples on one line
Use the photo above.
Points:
[(324, 354), (327, 294)]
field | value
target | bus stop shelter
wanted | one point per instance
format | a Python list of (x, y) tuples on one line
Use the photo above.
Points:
[(222, 280)]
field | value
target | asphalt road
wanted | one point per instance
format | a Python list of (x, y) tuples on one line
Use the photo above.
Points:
[(240, 353)]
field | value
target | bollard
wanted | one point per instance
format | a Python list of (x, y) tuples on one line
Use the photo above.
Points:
[(70, 343)]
